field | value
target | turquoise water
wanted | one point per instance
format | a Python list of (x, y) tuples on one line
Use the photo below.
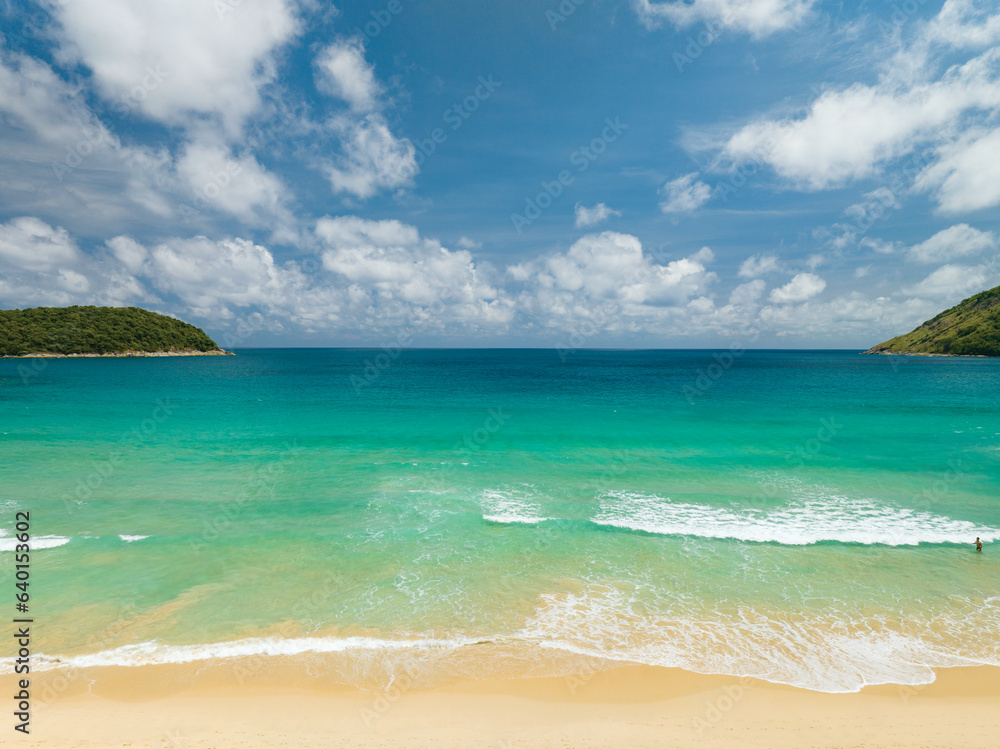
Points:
[(802, 517)]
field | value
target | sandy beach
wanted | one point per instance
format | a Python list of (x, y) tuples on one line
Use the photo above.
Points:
[(174, 707)]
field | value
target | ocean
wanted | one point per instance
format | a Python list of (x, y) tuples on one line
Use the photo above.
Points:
[(806, 518)]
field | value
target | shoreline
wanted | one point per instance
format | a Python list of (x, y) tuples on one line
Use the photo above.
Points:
[(121, 354), (629, 706), (887, 352)]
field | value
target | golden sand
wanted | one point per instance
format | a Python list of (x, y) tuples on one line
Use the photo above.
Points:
[(181, 707)]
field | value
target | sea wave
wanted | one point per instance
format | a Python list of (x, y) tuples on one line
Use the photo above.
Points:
[(156, 653), (814, 518), (509, 506), (833, 652), (9, 542), (603, 626)]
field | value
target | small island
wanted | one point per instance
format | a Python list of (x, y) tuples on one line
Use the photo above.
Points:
[(100, 331), (971, 328)]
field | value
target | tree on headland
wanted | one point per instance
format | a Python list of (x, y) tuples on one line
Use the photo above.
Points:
[(96, 330)]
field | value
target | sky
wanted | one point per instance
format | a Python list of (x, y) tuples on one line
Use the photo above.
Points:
[(574, 173)]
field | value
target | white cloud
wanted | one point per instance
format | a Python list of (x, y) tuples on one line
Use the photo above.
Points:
[(29, 244), (372, 159), (967, 174), (850, 133), (874, 205), (213, 277), (128, 252), (758, 265), (58, 157), (238, 186), (747, 294), (42, 265), (954, 242), (965, 23), (608, 282), (879, 245), (391, 270), (179, 61), (684, 194), (758, 17), (955, 281), (344, 72), (593, 216), (802, 287), (468, 243)]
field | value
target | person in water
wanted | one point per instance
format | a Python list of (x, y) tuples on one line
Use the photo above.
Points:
[(979, 544)]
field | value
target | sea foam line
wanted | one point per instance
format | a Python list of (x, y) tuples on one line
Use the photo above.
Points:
[(156, 653), (811, 520)]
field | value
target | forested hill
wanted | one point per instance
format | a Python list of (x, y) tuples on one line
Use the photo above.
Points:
[(105, 331), (971, 328)]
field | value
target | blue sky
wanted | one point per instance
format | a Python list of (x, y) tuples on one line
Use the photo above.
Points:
[(787, 173)]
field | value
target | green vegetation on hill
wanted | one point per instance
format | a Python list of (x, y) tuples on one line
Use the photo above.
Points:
[(971, 328), (96, 330)]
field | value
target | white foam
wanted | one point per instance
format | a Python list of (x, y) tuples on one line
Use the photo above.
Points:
[(828, 651), (809, 520), (821, 651), (156, 653), (9, 542), (510, 506), (131, 539)]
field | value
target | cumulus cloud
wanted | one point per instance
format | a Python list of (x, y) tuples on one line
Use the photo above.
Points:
[(757, 17), (56, 153), (854, 132), (747, 294), (389, 267), (758, 265), (238, 186), (954, 242), (372, 157), (592, 216), (27, 243), (964, 23), (42, 265), (344, 72), (684, 194), (954, 281), (847, 134), (609, 282), (179, 61), (966, 176), (802, 287)]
